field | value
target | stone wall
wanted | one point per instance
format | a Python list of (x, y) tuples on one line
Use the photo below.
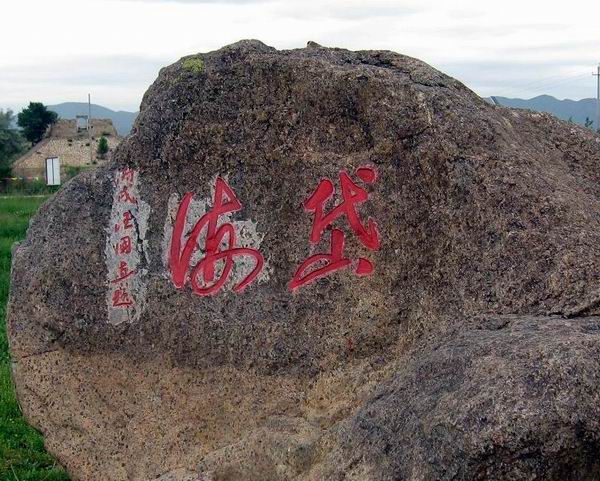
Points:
[(67, 129), (72, 147), (74, 153)]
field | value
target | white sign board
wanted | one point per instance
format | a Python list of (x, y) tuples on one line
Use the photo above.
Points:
[(53, 171)]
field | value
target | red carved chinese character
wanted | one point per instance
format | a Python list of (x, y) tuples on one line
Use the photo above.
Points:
[(121, 298), (202, 276), (127, 175), (123, 272), (123, 246), (125, 196), (352, 195), (127, 220)]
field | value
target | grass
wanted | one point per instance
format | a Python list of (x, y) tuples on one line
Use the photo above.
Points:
[(22, 453), (32, 187)]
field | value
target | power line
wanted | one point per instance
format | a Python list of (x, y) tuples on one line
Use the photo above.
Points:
[(597, 75), (90, 126), (550, 79), (556, 83), (545, 84)]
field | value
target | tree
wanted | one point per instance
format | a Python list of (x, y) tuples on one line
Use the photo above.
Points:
[(11, 142), (34, 120), (102, 147), (588, 122)]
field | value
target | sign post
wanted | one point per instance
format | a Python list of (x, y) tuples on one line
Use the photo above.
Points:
[(53, 171)]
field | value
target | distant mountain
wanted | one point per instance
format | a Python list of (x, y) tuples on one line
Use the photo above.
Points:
[(578, 110), (121, 120)]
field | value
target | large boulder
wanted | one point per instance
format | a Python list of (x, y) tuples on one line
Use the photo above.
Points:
[(318, 264)]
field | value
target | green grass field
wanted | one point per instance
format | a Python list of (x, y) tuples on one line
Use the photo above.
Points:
[(22, 453)]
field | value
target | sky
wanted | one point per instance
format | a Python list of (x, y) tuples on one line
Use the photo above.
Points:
[(61, 50)]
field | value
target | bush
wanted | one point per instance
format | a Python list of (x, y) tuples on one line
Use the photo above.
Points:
[(12, 144), (102, 148)]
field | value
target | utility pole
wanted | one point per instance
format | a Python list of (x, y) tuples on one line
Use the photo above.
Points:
[(597, 75), (89, 124)]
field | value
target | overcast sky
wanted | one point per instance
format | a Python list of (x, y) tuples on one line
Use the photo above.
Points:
[(59, 50)]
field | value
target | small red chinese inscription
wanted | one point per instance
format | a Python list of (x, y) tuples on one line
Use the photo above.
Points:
[(122, 239), (219, 247), (123, 246), (319, 265), (121, 298), (125, 196)]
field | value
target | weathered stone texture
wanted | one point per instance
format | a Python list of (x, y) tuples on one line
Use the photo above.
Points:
[(472, 351)]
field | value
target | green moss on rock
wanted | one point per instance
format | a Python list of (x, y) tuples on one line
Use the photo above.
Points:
[(194, 65)]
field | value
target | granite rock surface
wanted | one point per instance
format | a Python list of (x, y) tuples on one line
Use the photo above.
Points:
[(314, 265)]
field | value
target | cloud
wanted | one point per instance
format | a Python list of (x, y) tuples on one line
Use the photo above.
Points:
[(524, 79), (108, 69), (500, 29), (117, 81), (314, 9), (352, 10), (200, 2), (340, 9), (118, 54), (224, 3)]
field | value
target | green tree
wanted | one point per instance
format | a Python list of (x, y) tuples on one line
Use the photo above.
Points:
[(102, 149), (34, 120), (588, 122), (12, 144)]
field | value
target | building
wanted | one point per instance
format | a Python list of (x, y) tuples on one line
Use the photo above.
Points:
[(68, 140)]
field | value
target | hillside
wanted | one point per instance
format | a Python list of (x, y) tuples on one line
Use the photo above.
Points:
[(122, 120), (565, 109)]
